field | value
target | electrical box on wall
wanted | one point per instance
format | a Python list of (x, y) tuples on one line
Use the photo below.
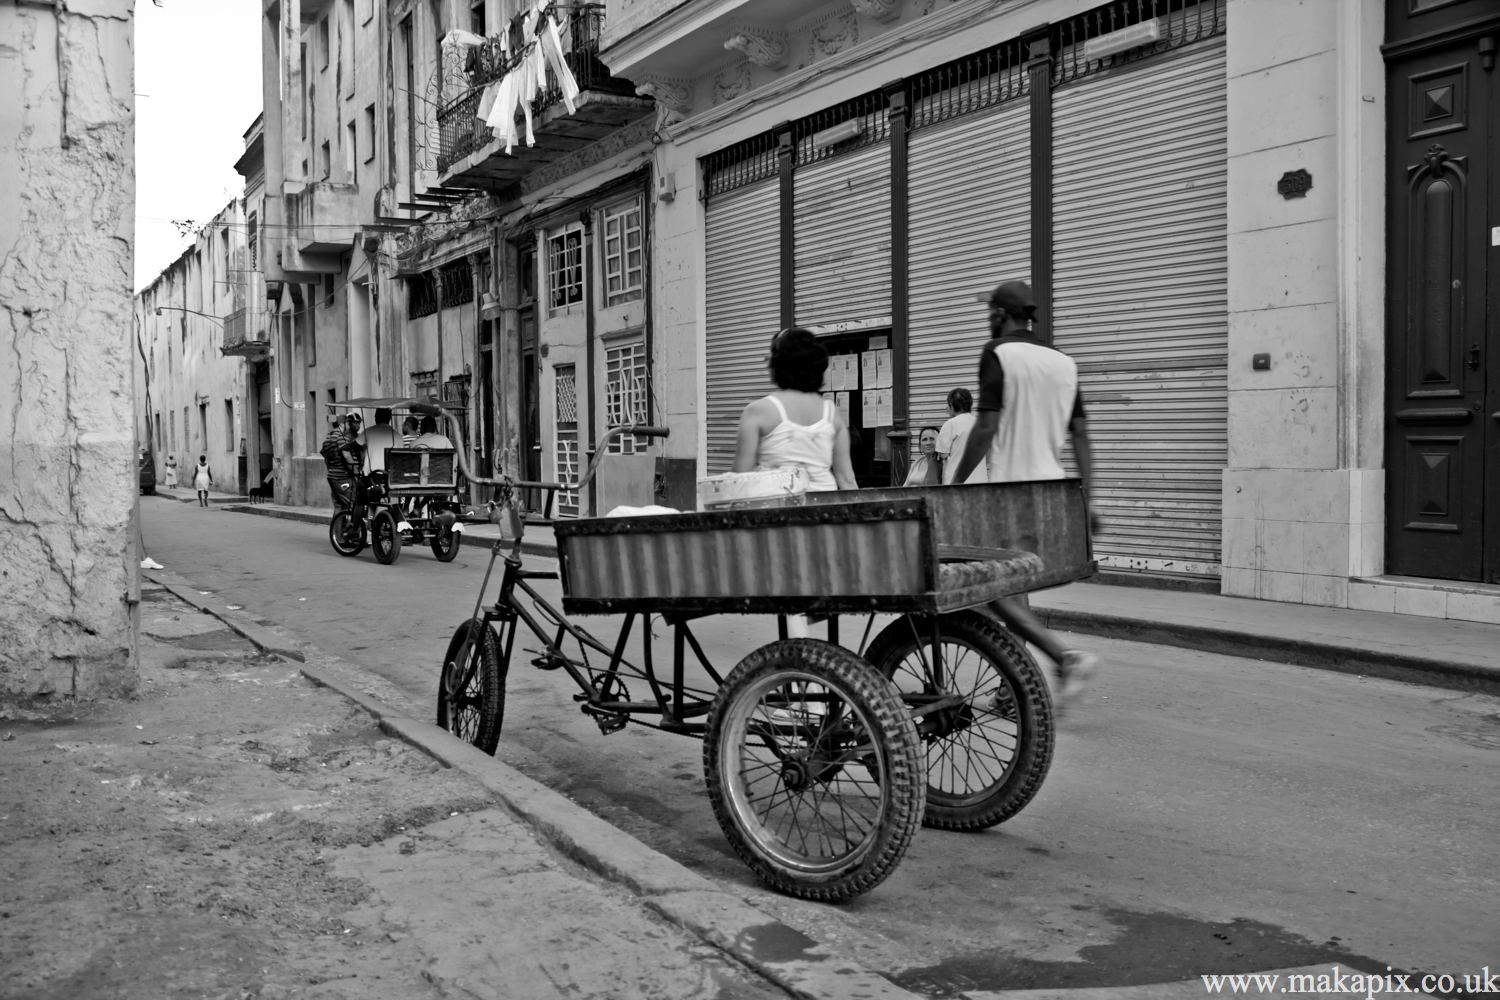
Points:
[(666, 186)]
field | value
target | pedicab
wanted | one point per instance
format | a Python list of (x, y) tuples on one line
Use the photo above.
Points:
[(415, 499), (821, 756)]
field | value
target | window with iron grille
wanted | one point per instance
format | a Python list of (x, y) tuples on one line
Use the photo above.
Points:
[(421, 296), (625, 392), (457, 284), (253, 237), (1179, 22), (565, 269), (624, 266), (567, 438)]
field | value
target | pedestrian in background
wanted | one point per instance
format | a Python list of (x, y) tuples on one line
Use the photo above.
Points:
[(926, 467), (171, 474), (1028, 402), (410, 428), (954, 435), (203, 478)]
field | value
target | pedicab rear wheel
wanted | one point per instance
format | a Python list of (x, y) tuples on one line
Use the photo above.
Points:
[(385, 538), (346, 534), (471, 693), (814, 769), (987, 757)]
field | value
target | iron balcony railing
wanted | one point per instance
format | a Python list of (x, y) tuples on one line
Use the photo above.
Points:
[(246, 331), (579, 26)]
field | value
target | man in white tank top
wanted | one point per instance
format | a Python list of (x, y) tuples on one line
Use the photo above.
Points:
[(1028, 400)]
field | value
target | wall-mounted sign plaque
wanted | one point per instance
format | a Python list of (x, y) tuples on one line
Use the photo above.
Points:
[(1294, 184)]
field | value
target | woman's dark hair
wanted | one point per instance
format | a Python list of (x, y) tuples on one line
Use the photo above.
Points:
[(203, 458), (961, 400), (924, 430), (429, 425), (798, 361)]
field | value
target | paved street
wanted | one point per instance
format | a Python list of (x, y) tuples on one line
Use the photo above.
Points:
[(1204, 813)]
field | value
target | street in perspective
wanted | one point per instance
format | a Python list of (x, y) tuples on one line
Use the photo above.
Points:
[(963, 499)]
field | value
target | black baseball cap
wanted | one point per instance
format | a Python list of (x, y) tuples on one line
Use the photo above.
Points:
[(1013, 298)]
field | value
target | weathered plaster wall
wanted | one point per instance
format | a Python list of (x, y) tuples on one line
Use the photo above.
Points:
[(67, 465)]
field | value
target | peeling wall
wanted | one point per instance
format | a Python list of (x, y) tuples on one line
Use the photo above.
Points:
[(67, 449)]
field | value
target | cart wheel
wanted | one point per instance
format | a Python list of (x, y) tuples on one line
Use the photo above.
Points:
[(814, 769), (471, 695), (445, 545), (385, 538), (986, 757), (346, 534)]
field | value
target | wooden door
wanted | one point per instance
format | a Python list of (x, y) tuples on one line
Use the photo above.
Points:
[(1444, 371)]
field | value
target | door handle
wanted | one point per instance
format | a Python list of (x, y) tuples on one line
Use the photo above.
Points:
[(1474, 358)]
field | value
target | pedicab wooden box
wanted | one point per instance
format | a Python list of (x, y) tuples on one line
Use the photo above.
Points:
[(420, 470), (925, 550)]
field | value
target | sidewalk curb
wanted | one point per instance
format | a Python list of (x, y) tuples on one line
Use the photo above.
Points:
[(263, 638), (1406, 667), (312, 516), (783, 955)]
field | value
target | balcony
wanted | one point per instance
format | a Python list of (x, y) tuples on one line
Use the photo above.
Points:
[(247, 334), (469, 154)]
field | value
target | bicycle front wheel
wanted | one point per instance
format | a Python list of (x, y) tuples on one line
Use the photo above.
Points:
[(471, 693), (814, 769)]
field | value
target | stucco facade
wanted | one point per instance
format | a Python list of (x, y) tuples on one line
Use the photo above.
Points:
[(68, 586)]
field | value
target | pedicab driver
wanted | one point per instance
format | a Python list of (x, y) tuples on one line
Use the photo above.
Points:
[(1028, 398)]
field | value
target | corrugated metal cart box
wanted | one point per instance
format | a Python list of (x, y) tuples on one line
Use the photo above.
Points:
[(885, 550)]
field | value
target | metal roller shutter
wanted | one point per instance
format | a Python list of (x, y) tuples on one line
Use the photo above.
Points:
[(969, 228), (1140, 299), (742, 285), (843, 237)]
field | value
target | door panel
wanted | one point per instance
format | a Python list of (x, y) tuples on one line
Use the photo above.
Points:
[(1440, 185)]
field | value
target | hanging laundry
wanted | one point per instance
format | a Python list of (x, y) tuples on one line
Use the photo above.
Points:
[(541, 49)]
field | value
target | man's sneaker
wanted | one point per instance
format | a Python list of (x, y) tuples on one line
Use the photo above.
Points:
[(1074, 672)]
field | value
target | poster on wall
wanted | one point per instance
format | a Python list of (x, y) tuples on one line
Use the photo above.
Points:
[(841, 403), (867, 409), (882, 369)]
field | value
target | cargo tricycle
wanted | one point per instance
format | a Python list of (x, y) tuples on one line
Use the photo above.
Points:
[(822, 756)]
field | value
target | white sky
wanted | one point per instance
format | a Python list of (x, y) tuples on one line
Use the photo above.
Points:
[(197, 81)]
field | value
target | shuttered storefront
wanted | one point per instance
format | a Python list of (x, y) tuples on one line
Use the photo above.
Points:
[(743, 292), (1140, 298), (969, 222), (842, 241)]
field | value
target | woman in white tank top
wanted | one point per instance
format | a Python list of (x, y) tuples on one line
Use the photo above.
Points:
[(795, 426)]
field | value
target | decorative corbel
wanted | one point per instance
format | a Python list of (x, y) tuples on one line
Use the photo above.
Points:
[(671, 92), (761, 45), (880, 10)]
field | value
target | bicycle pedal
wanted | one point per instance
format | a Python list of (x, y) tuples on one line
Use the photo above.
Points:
[(548, 663), (608, 722)]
